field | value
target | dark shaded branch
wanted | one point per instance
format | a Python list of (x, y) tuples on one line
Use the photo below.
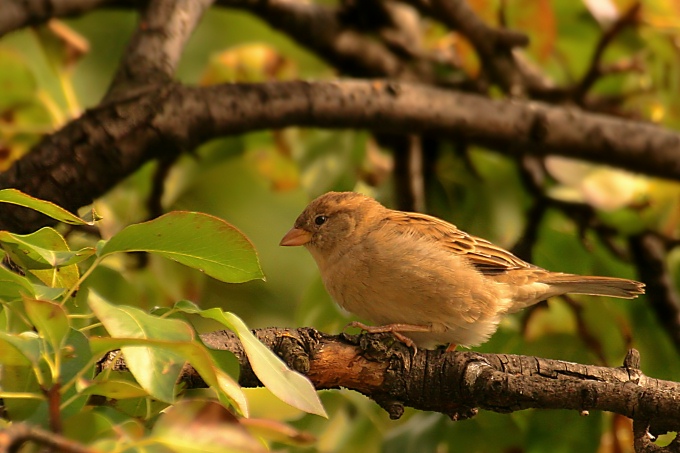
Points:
[(315, 27), (319, 29), (92, 153), (494, 45), (156, 46), (409, 187), (459, 382), (595, 69), (649, 255)]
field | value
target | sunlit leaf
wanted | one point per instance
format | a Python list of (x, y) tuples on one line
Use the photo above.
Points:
[(156, 369), (288, 385), (48, 208), (41, 250), (50, 320), (193, 352), (198, 240), (114, 388), (46, 292), (46, 255)]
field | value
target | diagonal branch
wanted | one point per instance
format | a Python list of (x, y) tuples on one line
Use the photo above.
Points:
[(319, 29), (156, 47), (494, 46), (594, 71)]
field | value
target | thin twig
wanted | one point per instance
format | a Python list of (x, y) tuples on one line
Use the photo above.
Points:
[(595, 68)]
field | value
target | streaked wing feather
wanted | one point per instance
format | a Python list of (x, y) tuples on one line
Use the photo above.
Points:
[(485, 256)]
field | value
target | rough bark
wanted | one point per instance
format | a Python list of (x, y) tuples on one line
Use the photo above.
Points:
[(90, 155), (461, 382)]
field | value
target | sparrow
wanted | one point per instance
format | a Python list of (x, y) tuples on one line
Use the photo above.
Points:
[(423, 279)]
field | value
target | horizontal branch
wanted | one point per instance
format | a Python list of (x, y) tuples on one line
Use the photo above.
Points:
[(458, 383), (90, 155)]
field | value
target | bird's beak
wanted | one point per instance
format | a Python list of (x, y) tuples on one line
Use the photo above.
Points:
[(296, 236)]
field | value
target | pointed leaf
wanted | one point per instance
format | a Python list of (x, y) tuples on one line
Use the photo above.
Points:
[(193, 352), (156, 369), (288, 385), (50, 320), (13, 286), (22, 349), (50, 209), (201, 241), (204, 426), (44, 249), (115, 388), (46, 292)]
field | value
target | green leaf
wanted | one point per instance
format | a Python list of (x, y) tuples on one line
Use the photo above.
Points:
[(198, 240), (16, 79), (99, 425), (157, 360), (13, 286), (21, 349), (288, 385), (46, 292), (23, 398), (50, 209), (156, 369), (50, 320), (117, 388), (44, 249), (76, 363), (204, 426), (193, 352)]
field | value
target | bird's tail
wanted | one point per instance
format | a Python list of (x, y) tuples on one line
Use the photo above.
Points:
[(595, 286)]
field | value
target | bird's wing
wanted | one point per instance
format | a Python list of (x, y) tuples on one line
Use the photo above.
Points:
[(488, 258)]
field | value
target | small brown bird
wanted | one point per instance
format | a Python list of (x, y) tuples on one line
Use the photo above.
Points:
[(422, 278)]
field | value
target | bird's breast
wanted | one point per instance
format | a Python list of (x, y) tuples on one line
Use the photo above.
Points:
[(397, 279)]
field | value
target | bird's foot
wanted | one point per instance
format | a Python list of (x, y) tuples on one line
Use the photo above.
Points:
[(394, 329), (451, 347)]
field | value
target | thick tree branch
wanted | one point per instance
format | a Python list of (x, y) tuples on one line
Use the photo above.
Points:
[(91, 154), (458, 383)]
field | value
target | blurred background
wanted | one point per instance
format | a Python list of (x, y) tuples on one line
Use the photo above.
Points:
[(574, 217)]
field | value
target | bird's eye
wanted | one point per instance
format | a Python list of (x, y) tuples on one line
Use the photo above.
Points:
[(320, 219)]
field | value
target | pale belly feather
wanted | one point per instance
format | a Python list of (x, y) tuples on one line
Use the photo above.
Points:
[(411, 282)]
